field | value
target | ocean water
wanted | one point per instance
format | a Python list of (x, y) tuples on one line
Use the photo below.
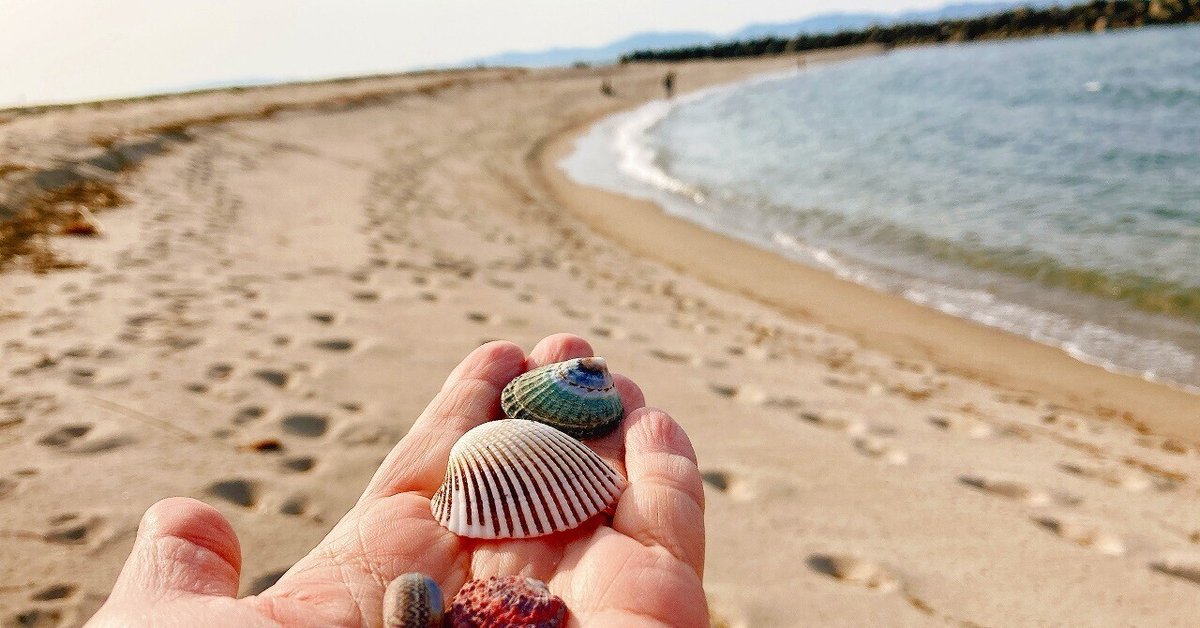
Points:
[(1048, 187)]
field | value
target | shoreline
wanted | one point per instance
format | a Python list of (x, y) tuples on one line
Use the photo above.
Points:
[(874, 319)]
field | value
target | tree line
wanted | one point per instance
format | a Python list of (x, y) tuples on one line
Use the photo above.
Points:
[(1096, 16)]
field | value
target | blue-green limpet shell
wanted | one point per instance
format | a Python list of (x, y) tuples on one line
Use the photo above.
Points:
[(577, 397)]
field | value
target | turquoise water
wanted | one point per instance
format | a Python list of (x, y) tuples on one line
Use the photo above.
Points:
[(1049, 187)]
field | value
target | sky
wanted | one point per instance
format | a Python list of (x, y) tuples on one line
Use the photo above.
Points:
[(73, 50)]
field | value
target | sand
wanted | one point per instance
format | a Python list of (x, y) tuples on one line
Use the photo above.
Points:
[(298, 268)]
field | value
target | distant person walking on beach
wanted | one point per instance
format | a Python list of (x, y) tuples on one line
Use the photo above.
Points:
[(606, 87), (669, 83)]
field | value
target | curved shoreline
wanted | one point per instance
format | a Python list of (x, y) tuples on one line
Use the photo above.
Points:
[(876, 320)]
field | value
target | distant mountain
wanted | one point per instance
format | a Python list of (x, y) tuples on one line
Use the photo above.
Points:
[(826, 23), (833, 22), (602, 54)]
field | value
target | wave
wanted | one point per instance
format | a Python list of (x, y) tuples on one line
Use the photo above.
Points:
[(639, 160), (636, 155)]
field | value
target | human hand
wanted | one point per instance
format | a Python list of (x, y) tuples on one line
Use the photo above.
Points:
[(643, 567)]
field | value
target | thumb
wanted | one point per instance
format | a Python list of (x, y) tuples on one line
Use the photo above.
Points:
[(183, 546)]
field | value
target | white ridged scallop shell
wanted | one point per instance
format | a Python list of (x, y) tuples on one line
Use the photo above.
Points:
[(517, 479)]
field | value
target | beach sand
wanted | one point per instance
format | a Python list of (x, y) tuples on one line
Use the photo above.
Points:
[(296, 269)]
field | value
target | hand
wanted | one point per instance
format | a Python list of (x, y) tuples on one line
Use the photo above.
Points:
[(642, 568)]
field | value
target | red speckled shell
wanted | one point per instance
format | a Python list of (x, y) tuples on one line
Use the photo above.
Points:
[(504, 602)]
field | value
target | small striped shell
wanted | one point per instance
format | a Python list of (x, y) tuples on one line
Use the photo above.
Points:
[(413, 600), (576, 396), (518, 479)]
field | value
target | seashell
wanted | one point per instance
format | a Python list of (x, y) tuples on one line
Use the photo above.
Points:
[(413, 600), (508, 601), (513, 478), (576, 396)]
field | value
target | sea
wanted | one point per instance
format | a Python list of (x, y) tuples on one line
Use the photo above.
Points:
[(1047, 187)]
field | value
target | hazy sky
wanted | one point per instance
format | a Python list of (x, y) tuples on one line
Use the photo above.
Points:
[(63, 50)]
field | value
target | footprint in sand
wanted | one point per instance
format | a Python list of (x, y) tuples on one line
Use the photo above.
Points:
[(1070, 423), (324, 318), (239, 492), (10, 420), (335, 344), (367, 296), (88, 377), (141, 320), (968, 427), (305, 424), (53, 592), (300, 464), (37, 618), (615, 333), (784, 402), (574, 314), (294, 506), (219, 371), (74, 529), (1009, 489), (728, 484), (248, 414), (1084, 534), (82, 438), (479, 317), (1110, 474), (745, 394), (882, 449), (1184, 567), (835, 421), (855, 570), (719, 480), (78, 351), (672, 356), (273, 377), (1175, 446), (502, 284)]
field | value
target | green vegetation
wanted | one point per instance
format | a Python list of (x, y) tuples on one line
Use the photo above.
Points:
[(1021, 22)]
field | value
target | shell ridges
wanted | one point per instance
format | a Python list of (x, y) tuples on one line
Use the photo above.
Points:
[(514, 478), (576, 396)]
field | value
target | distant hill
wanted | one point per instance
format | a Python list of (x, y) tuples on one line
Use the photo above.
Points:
[(825, 23), (601, 54), (834, 22)]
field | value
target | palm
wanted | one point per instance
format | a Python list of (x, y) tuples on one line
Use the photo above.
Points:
[(644, 566)]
